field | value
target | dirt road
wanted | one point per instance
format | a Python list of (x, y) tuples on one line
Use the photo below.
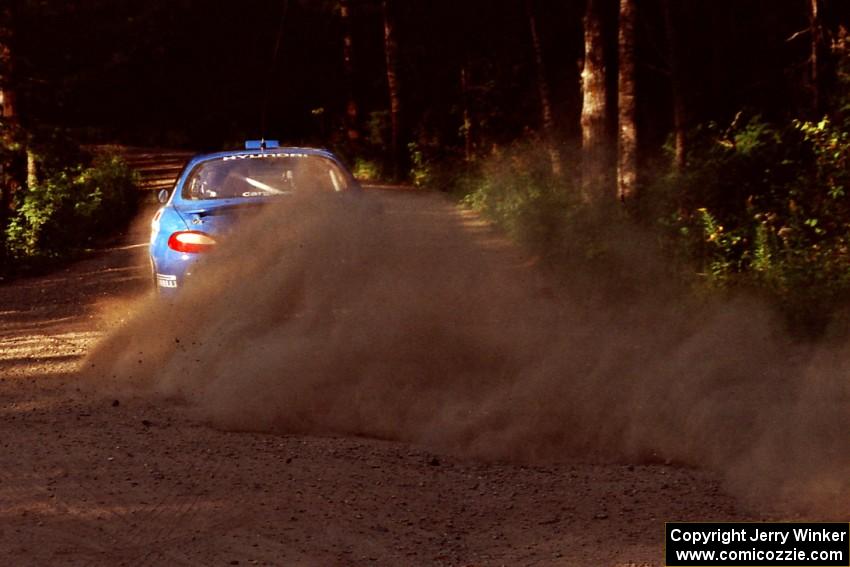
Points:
[(86, 480)]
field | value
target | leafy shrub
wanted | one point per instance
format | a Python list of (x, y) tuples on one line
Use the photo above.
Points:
[(421, 168), (766, 207), (70, 207), (366, 169), (516, 189)]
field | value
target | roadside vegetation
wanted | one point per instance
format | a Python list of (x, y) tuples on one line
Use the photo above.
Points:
[(758, 206), (70, 198)]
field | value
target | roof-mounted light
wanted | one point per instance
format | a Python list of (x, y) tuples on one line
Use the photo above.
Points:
[(261, 144)]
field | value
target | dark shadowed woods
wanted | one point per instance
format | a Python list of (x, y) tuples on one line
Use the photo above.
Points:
[(649, 324), (721, 126)]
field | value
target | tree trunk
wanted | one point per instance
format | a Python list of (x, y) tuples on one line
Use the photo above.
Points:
[(543, 89), (814, 77), (627, 139), (32, 168), (7, 94), (680, 148), (351, 111), (593, 138), (8, 119), (391, 52), (468, 154)]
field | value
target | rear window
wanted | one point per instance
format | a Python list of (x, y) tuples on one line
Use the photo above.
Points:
[(265, 175)]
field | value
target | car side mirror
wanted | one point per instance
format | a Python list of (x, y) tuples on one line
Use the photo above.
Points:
[(162, 196)]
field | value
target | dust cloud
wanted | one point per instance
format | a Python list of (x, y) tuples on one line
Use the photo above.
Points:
[(394, 316)]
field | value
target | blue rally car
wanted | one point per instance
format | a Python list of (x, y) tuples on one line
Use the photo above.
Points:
[(214, 189)]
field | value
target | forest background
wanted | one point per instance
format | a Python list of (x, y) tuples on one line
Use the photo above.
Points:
[(717, 129)]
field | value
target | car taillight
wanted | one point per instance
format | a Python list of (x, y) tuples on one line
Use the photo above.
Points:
[(191, 241)]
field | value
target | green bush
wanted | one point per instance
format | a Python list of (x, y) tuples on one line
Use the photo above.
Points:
[(516, 189), (765, 207), (70, 207), (366, 169), (421, 168)]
